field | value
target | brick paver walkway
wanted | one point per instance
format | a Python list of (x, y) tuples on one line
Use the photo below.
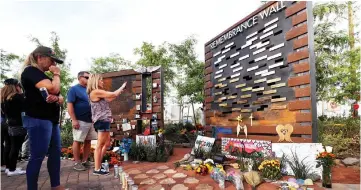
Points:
[(70, 178), (85, 180)]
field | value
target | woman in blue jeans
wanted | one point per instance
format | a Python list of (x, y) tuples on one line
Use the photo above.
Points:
[(41, 118), (101, 116)]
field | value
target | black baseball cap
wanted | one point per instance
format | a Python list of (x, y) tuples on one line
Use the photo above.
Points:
[(11, 81), (46, 51)]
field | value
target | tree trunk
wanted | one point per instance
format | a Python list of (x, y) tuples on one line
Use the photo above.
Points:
[(180, 113), (188, 113), (351, 25), (351, 35), (194, 116)]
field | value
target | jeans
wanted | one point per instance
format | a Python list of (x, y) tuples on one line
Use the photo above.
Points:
[(15, 146), (44, 138)]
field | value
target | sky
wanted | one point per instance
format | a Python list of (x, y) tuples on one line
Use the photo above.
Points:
[(97, 28)]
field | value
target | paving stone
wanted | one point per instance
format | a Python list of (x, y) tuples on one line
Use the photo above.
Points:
[(152, 171), (170, 171), (141, 176), (156, 187), (191, 180), (148, 182), (204, 187), (167, 181), (133, 172), (179, 187), (179, 175), (159, 176), (163, 167)]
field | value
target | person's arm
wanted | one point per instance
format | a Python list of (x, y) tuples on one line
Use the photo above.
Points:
[(53, 86), (60, 99), (109, 96), (71, 112), (71, 99)]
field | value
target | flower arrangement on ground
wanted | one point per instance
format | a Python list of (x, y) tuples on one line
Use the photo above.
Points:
[(270, 169), (326, 160), (67, 152), (124, 147)]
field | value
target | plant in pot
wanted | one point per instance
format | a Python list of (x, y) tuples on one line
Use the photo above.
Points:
[(300, 168), (270, 169)]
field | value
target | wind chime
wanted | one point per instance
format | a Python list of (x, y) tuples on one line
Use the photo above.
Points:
[(244, 126)]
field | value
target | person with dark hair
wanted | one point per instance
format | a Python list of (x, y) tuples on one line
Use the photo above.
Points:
[(12, 99), (42, 113), (80, 113), (5, 139)]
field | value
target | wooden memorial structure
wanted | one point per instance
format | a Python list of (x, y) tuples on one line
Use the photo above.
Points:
[(144, 87), (263, 68)]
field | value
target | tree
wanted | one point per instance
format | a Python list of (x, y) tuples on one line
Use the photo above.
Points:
[(111, 63), (65, 77), (6, 60), (337, 58), (192, 83), (151, 55)]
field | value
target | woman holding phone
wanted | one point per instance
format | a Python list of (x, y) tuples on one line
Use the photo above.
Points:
[(41, 119), (101, 116)]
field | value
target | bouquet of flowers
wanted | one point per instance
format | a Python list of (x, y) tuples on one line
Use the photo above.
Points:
[(326, 160), (125, 145), (270, 169)]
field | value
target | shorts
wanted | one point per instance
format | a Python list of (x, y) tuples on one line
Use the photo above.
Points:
[(102, 126), (85, 132)]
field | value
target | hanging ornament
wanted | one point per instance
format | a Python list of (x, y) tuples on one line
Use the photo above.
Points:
[(251, 117), (284, 132), (239, 119), (239, 126)]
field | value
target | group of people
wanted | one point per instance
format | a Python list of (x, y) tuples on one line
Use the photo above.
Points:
[(37, 116)]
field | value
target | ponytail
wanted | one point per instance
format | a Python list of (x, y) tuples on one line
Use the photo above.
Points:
[(29, 61)]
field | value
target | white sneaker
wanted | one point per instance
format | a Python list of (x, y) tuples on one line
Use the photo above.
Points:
[(6, 171), (16, 172), (3, 168)]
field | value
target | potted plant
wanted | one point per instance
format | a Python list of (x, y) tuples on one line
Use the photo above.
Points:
[(270, 169)]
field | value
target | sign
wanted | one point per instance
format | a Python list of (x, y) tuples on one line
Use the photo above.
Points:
[(306, 151), (248, 24), (205, 143), (249, 145), (146, 140)]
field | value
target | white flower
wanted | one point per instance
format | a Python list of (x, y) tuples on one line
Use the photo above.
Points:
[(329, 149)]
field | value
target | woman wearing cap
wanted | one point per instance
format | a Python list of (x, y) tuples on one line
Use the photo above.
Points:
[(12, 99), (101, 116), (42, 115)]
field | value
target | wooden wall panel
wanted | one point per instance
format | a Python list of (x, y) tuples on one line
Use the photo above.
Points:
[(266, 70), (124, 106)]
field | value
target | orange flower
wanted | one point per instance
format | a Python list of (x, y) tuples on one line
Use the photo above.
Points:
[(64, 150)]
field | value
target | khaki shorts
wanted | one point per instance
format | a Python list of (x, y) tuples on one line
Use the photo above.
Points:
[(86, 131)]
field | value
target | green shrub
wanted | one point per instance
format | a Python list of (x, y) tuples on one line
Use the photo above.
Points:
[(151, 154), (343, 134), (66, 134)]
